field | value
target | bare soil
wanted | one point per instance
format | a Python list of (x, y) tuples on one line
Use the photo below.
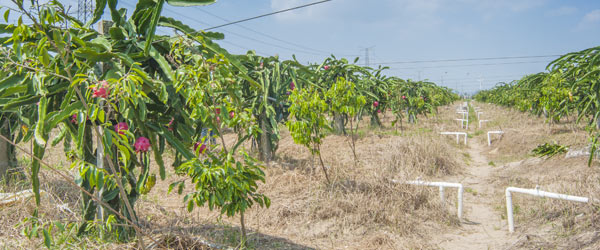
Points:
[(481, 227)]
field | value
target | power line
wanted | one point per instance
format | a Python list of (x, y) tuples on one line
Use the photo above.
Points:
[(486, 77), (468, 65), (272, 37), (468, 59), (268, 14), (260, 53), (242, 36), (205, 23)]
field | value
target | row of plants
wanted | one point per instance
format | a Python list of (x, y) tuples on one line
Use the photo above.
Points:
[(120, 97), (569, 86)]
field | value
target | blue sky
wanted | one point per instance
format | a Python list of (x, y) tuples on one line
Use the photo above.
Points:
[(408, 30)]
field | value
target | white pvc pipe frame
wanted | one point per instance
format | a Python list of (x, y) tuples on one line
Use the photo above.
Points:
[(493, 132), (534, 192), (462, 122), (465, 119), (480, 121), (457, 135), (442, 185)]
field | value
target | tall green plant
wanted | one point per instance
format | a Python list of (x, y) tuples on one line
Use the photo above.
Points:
[(344, 99), (309, 109), (124, 90)]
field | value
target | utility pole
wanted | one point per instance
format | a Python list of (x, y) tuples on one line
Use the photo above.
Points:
[(443, 77), (367, 55), (85, 10), (480, 83)]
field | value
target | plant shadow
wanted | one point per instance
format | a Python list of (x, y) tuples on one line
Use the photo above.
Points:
[(226, 236)]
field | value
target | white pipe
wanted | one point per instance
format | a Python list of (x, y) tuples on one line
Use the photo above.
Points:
[(480, 121), (493, 132), (534, 192), (442, 185), (478, 114), (457, 135), (462, 122)]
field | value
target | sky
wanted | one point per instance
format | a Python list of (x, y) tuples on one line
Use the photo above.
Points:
[(401, 34)]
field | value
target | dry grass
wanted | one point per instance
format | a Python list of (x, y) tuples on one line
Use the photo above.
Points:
[(524, 132), (360, 209), (544, 223)]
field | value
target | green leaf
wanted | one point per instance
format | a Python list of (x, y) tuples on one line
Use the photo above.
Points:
[(158, 158), (56, 117), (176, 143), (11, 81), (190, 205), (38, 152), (59, 137), (100, 5), (153, 22), (6, 14), (117, 33), (162, 62), (102, 43), (110, 195), (175, 24), (47, 239), (40, 136)]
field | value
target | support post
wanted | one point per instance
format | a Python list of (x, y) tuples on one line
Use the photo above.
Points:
[(538, 193), (442, 185)]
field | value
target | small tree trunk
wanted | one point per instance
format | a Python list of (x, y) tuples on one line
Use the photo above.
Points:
[(338, 124), (401, 125), (88, 204), (375, 122), (8, 158), (323, 164), (353, 143), (242, 231), (265, 142), (4, 159), (411, 118)]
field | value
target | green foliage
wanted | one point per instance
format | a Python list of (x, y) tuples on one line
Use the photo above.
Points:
[(570, 86), (549, 150), (127, 76), (59, 74), (344, 100), (223, 182), (308, 108), (417, 98)]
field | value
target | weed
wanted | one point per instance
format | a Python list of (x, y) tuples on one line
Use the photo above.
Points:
[(549, 150), (471, 191)]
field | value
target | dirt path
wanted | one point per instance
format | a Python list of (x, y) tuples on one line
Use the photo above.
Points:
[(482, 227)]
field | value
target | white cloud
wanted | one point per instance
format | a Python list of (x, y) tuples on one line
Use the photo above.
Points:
[(590, 20), (304, 13), (394, 14), (592, 17), (562, 11)]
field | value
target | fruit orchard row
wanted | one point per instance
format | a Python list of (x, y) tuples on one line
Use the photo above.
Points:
[(138, 93), (570, 86)]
